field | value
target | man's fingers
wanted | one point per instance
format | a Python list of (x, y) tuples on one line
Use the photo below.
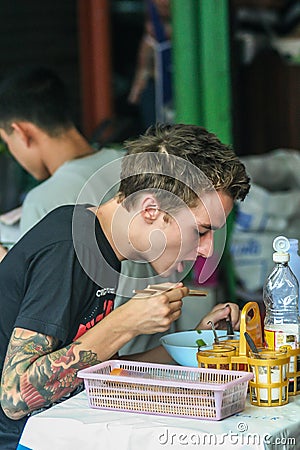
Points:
[(177, 293), (219, 314)]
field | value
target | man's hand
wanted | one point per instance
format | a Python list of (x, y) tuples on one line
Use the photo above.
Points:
[(218, 316), (155, 313)]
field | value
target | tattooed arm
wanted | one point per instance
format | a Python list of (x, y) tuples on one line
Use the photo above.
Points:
[(36, 373)]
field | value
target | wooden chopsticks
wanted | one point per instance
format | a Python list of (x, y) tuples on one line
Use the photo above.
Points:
[(152, 290), (196, 292)]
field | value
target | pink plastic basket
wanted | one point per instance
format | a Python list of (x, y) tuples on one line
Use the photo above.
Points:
[(166, 389)]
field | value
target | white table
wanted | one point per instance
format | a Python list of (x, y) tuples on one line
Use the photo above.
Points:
[(72, 425)]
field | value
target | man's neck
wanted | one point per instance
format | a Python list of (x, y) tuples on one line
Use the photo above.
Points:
[(66, 147), (113, 218)]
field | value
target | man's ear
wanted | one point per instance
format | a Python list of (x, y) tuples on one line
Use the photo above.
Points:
[(150, 209), (24, 132)]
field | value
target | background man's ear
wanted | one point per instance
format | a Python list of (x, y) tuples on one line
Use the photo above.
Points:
[(23, 130)]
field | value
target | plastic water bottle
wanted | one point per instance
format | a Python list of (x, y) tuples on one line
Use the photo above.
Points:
[(280, 293), (295, 262)]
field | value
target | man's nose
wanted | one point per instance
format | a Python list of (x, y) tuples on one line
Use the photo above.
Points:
[(206, 245)]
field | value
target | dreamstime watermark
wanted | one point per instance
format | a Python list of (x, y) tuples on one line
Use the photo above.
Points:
[(239, 437)]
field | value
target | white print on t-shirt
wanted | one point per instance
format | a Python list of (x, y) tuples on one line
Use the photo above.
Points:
[(104, 291)]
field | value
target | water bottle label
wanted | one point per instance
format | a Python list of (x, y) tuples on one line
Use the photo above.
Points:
[(278, 338)]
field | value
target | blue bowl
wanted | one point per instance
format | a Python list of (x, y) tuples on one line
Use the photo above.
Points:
[(182, 346)]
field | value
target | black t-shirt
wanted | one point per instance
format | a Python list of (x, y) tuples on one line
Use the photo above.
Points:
[(60, 279)]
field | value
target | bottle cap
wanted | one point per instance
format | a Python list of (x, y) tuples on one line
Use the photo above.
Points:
[(281, 245)]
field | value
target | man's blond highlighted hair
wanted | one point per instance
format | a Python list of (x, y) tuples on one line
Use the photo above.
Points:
[(183, 160)]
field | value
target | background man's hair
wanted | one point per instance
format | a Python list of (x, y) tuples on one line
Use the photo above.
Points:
[(34, 94)]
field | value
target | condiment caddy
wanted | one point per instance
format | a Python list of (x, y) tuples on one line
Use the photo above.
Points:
[(276, 373)]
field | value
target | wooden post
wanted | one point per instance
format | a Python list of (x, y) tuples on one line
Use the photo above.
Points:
[(95, 63)]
